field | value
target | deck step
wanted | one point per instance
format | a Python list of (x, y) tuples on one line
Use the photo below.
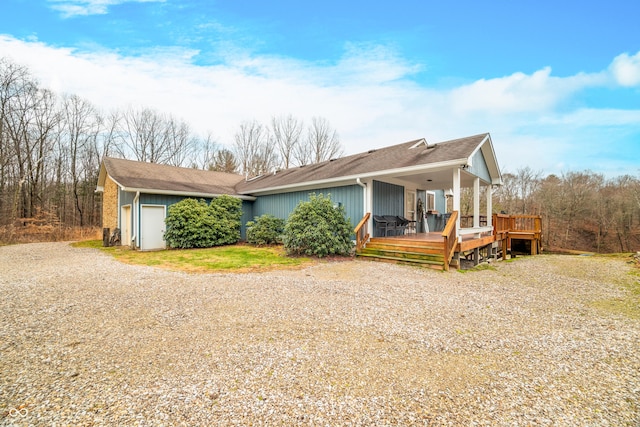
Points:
[(398, 260), (430, 249), (405, 250), (400, 254)]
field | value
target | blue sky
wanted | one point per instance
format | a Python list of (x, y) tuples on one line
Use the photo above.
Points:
[(557, 84)]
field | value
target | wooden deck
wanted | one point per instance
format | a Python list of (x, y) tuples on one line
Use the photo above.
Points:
[(446, 248)]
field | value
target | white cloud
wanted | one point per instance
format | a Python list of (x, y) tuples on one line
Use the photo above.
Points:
[(592, 117), (626, 69), (368, 96), (70, 8), (520, 92)]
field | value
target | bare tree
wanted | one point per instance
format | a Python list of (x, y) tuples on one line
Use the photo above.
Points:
[(111, 135), (46, 119), (548, 198), (204, 152), (505, 198), (14, 80), (322, 141), (19, 124), (82, 126), (144, 135), (181, 142), (286, 131), (253, 150), (527, 181)]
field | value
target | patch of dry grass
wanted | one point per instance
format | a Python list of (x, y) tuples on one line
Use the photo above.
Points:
[(237, 258), (629, 304), (34, 233)]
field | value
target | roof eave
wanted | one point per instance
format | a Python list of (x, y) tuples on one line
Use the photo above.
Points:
[(397, 172), (185, 193)]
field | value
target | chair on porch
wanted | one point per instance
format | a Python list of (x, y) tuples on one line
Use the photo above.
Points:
[(384, 225), (402, 224), (409, 225), (398, 225)]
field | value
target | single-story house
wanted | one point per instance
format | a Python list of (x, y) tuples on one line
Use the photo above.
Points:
[(385, 181)]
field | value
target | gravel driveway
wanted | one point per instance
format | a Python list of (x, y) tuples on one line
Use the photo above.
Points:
[(86, 340)]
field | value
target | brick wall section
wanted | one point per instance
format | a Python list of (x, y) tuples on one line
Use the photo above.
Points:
[(110, 204)]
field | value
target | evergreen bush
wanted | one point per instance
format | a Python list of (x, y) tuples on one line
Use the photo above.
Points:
[(316, 227), (265, 230), (193, 223)]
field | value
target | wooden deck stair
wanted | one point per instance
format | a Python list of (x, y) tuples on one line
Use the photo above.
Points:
[(426, 254)]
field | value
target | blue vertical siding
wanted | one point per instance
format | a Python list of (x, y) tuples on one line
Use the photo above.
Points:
[(126, 198), (441, 201), (388, 199), (281, 205), (479, 167)]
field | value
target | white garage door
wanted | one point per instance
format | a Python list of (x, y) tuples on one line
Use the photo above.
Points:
[(152, 227)]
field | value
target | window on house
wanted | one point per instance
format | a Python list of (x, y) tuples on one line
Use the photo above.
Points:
[(431, 201)]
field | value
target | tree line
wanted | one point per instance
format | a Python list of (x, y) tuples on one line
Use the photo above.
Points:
[(580, 210), (51, 147)]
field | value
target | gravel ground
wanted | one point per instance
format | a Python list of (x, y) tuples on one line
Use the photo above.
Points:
[(85, 340)]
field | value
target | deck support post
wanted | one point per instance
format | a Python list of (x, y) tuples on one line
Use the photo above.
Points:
[(455, 260), (476, 256)]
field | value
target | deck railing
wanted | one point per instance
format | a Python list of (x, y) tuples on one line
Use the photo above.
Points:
[(526, 224), (501, 225), (450, 236), (362, 231), (466, 221)]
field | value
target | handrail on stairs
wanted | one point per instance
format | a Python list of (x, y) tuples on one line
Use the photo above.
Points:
[(450, 236), (362, 231)]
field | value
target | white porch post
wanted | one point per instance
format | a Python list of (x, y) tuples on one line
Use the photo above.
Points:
[(367, 203), (456, 194), (476, 202), (489, 206)]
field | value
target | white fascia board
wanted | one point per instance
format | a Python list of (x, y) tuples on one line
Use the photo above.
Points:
[(344, 179), (100, 189), (420, 142), (494, 159), (117, 183), (479, 146), (185, 193)]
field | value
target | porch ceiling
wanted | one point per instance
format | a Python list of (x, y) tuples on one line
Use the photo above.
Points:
[(439, 179)]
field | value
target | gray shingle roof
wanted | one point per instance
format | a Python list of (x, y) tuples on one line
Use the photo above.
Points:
[(383, 159), (170, 179), (158, 178)]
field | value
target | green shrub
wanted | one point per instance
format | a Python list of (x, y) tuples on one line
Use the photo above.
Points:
[(318, 228), (195, 224), (265, 230)]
